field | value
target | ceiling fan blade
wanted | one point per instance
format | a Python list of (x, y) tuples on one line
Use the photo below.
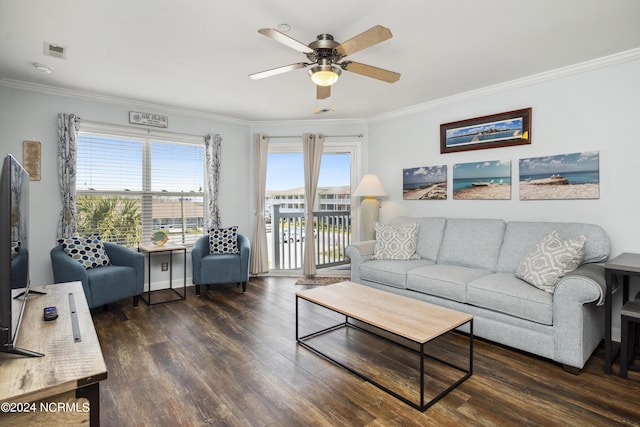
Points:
[(371, 71), (370, 37), (323, 92), (276, 71), (285, 40)]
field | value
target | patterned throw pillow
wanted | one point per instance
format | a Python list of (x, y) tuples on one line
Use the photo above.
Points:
[(223, 241), (15, 249), (551, 259), (396, 242), (88, 251)]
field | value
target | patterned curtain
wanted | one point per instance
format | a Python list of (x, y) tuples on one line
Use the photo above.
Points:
[(212, 145), (67, 157), (312, 154), (259, 255)]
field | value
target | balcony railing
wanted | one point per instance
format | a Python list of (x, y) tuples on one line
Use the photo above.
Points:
[(331, 233)]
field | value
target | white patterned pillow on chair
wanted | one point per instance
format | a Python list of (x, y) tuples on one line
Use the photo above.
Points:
[(550, 260), (396, 242), (88, 251), (223, 241), (15, 249)]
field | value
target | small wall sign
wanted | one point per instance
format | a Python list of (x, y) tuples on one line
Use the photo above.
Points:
[(148, 119), (31, 159)]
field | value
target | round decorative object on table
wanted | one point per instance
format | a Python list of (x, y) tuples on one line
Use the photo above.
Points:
[(159, 238)]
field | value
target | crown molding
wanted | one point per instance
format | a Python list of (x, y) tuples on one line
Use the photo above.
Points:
[(582, 67), (579, 68), (90, 96)]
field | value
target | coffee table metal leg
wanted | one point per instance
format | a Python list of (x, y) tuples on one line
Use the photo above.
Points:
[(422, 376)]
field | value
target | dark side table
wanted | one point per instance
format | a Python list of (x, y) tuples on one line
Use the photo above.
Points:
[(170, 248), (625, 265)]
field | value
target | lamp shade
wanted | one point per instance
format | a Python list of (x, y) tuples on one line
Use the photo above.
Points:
[(370, 186)]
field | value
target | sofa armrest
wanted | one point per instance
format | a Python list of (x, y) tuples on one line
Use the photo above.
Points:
[(200, 249), (67, 269), (358, 253), (121, 255), (244, 246), (578, 315), (587, 283)]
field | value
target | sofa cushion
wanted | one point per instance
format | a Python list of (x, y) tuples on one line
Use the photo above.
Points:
[(446, 281), (398, 243), (472, 243), (390, 272), (430, 232), (551, 259), (520, 237), (88, 251), (221, 268), (110, 283), (505, 293)]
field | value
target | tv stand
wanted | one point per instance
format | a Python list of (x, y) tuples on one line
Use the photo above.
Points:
[(69, 372), (24, 352), (30, 291)]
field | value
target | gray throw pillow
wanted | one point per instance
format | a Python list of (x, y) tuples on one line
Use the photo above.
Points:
[(396, 242), (551, 259)]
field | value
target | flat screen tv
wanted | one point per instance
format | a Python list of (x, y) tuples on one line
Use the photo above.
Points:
[(14, 253)]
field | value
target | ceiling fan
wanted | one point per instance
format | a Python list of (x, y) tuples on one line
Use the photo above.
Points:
[(326, 56)]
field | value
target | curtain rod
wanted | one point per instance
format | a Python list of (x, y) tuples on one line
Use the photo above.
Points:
[(360, 135)]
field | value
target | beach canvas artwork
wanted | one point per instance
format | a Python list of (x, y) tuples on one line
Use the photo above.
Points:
[(493, 131), (425, 183), (489, 180), (565, 176)]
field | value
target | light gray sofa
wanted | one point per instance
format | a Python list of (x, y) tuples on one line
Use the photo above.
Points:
[(469, 265)]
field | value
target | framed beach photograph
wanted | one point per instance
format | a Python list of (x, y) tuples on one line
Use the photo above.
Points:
[(493, 131), (425, 183), (564, 176), (489, 180)]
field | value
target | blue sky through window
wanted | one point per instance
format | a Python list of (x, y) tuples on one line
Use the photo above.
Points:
[(285, 171)]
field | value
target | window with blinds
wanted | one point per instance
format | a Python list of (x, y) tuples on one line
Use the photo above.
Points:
[(127, 188)]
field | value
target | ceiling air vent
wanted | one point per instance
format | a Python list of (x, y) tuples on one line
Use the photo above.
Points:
[(55, 50)]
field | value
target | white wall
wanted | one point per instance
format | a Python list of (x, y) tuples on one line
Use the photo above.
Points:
[(29, 115), (594, 110)]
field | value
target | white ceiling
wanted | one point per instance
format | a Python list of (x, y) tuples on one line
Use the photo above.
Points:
[(197, 54)]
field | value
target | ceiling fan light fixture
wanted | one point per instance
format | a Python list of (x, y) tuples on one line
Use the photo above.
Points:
[(324, 75)]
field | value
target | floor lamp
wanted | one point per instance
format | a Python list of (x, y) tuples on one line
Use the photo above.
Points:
[(370, 187)]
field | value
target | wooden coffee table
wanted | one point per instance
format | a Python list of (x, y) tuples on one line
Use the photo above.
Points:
[(413, 320)]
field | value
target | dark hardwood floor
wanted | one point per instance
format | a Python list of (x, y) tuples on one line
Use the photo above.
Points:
[(230, 358)]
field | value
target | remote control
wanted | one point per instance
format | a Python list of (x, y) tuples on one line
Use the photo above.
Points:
[(50, 313)]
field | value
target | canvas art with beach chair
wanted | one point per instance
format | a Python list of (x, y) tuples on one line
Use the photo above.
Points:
[(565, 176), (488, 180)]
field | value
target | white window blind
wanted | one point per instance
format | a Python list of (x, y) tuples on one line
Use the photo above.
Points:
[(129, 187)]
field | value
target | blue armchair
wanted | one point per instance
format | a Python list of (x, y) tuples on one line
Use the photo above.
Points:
[(222, 268), (123, 278)]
